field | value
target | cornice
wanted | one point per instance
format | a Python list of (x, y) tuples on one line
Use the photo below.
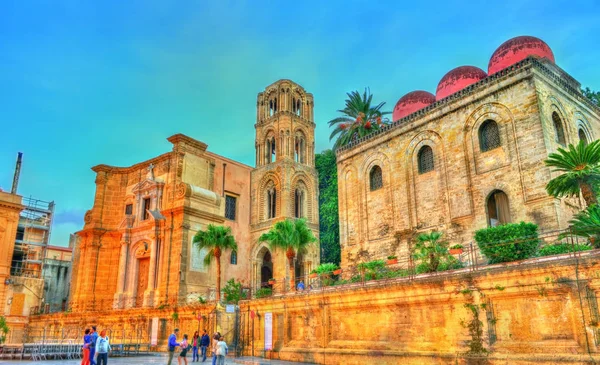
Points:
[(126, 170), (517, 68)]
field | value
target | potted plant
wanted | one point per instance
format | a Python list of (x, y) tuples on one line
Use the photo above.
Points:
[(337, 272), (313, 274), (392, 260), (271, 281), (456, 249)]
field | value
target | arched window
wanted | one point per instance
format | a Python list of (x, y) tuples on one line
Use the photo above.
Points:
[(489, 136), (558, 128), (233, 258), (300, 148), (271, 203), (270, 150), (425, 160), (299, 203), (376, 178), (582, 136), (498, 209), (298, 107)]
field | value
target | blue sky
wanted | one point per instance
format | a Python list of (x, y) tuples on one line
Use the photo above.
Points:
[(90, 82)]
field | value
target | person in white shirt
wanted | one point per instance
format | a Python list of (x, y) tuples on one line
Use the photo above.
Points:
[(102, 348)]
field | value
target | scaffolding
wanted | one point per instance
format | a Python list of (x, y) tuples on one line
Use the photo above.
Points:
[(33, 237)]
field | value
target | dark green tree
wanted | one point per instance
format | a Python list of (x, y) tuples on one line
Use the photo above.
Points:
[(329, 223), (594, 96), (359, 118)]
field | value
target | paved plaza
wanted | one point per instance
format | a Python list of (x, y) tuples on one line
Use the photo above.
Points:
[(158, 359)]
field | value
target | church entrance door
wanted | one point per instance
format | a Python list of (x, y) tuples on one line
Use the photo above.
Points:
[(142, 284)]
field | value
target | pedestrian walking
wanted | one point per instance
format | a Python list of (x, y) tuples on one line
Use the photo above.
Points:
[(85, 359), (221, 351), (195, 344), (102, 348), (93, 339), (204, 343), (172, 344), (215, 340), (185, 347)]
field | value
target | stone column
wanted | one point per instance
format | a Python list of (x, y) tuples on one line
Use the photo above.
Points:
[(118, 298), (149, 292)]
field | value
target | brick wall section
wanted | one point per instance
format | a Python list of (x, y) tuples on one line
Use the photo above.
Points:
[(452, 198)]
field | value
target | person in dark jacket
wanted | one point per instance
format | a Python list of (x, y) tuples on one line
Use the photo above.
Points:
[(204, 343)]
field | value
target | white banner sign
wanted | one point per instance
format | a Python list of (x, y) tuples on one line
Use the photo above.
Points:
[(154, 336), (268, 331)]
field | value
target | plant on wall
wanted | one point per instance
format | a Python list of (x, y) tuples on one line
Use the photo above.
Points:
[(233, 292), (508, 242), (432, 254), (4, 329)]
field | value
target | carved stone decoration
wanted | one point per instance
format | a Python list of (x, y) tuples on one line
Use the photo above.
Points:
[(182, 190), (88, 217)]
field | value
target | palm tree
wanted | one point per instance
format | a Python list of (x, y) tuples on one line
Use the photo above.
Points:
[(587, 224), (359, 119), (581, 171), (291, 236), (215, 239), (431, 250)]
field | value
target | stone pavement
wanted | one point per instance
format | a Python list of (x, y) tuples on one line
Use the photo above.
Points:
[(159, 359), (261, 361)]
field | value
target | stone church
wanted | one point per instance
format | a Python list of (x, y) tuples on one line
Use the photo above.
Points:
[(468, 157), (135, 249)]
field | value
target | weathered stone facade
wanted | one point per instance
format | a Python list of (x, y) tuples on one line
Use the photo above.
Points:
[(136, 246), (453, 196)]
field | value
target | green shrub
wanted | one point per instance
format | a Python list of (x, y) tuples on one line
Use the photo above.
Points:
[(509, 242), (561, 248), (327, 268), (233, 292), (264, 292), (373, 270)]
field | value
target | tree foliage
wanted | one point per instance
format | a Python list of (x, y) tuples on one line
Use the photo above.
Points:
[(359, 119), (232, 291), (3, 329), (215, 239), (432, 254), (329, 223), (580, 168), (594, 96), (290, 236), (587, 224)]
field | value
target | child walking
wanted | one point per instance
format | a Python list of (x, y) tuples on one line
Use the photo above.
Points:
[(184, 349)]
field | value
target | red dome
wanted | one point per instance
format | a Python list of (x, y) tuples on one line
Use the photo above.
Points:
[(458, 79), (517, 49), (412, 102)]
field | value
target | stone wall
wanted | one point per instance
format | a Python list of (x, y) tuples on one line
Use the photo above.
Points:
[(132, 325), (542, 311)]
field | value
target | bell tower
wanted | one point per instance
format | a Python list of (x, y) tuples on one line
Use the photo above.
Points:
[(285, 181)]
